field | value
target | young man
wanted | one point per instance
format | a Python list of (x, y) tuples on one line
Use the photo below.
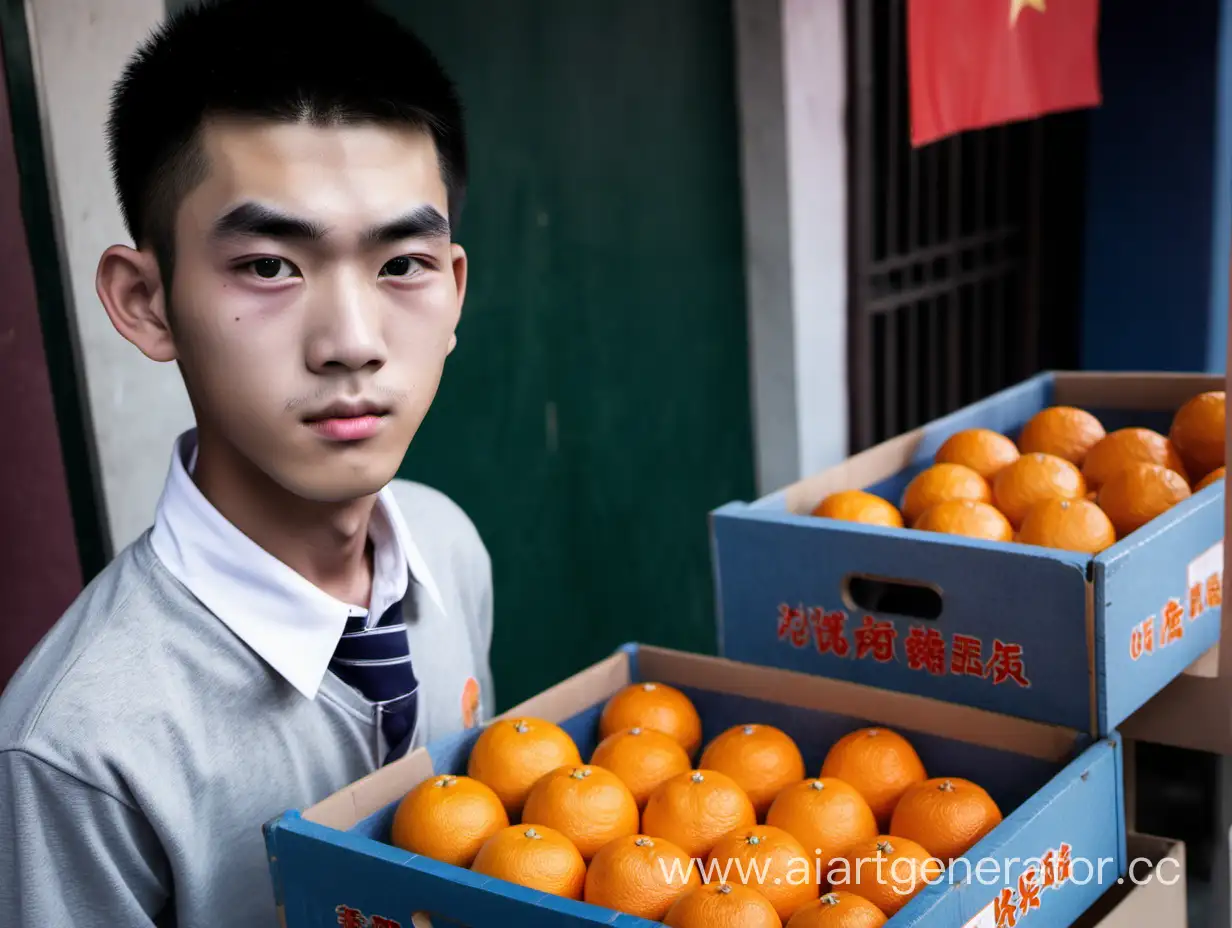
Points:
[(290, 172)]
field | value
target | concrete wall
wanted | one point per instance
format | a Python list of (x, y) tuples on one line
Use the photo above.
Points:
[(137, 406), (793, 97)]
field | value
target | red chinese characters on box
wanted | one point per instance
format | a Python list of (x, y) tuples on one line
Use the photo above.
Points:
[(1204, 582), (1197, 600), (354, 918), (1157, 631), (827, 630), (793, 626), (924, 648), (1172, 623), (1142, 639), (876, 639), (1203, 592), (1053, 869)]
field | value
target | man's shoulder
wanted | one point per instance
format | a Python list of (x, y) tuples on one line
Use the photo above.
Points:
[(90, 675), (440, 526)]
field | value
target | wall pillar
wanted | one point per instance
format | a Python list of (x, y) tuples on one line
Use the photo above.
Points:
[(793, 100)]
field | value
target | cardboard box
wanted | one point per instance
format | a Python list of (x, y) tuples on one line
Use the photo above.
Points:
[(1195, 710), (1058, 788), (1154, 892), (1037, 633)]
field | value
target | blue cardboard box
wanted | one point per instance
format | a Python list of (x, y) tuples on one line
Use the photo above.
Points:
[(1060, 792), (1036, 633)]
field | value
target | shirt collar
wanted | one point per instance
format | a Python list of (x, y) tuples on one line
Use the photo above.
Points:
[(292, 624)]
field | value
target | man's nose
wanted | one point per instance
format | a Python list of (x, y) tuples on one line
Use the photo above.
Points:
[(345, 331)]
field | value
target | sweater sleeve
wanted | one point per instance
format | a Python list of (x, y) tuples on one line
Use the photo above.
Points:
[(77, 855), (458, 547), (483, 619)]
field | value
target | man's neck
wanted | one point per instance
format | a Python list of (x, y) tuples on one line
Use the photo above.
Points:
[(326, 543)]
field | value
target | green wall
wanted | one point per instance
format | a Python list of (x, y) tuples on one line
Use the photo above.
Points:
[(597, 406)]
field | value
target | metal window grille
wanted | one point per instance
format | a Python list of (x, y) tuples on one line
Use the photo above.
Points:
[(950, 267)]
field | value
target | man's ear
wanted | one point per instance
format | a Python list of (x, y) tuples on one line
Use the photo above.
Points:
[(458, 258), (130, 286)]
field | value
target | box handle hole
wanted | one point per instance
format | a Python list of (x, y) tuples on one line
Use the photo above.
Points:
[(897, 597)]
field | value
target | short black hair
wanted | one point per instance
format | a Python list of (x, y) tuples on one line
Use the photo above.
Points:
[(326, 62)]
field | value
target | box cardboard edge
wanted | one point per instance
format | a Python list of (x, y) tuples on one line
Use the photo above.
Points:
[(387, 784), (353, 803)]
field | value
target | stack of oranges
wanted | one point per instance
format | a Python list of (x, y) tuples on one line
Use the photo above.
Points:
[(743, 839), (1065, 483)]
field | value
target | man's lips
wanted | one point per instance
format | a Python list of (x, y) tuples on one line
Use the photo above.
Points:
[(350, 428), (348, 420)]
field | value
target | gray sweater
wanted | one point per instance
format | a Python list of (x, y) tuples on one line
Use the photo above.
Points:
[(143, 745)]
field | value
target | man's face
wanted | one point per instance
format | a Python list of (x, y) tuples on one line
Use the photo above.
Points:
[(315, 297)]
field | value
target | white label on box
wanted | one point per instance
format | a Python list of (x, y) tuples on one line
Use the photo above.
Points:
[(1206, 564), (987, 917)]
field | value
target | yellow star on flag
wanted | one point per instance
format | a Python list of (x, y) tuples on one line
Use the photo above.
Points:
[(1017, 6)]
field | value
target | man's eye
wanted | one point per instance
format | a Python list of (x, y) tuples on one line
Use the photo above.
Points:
[(272, 268), (403, 266)]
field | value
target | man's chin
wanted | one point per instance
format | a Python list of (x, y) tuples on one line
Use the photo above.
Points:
[(322, 486)]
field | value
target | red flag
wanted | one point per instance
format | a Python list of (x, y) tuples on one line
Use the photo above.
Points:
[(976, 63)]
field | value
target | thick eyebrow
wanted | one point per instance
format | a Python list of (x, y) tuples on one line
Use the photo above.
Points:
[(259, 221), (421, 222)]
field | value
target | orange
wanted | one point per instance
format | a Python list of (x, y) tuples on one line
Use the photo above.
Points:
[(588, 805), (697, 808), (656, 706), (722, 905), (966, 517), (983, 450), (1198, 433), (947, 816), (888, 871), (939, 483), (879, 763), (1215, 475), (641, 876), (838, 910), (536, 857), (859, 506), (827, 815), (1063, 431), (642, 758), (760, 758), (511, 754), (1070, 524), (1034, 478), (448, 818), (1136, 495), (770, 861), (1128, 446)]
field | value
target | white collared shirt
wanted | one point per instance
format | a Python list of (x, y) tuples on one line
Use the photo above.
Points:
[(292, 624)]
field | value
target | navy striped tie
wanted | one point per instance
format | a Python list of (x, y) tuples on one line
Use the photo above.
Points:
[(377, 662)]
